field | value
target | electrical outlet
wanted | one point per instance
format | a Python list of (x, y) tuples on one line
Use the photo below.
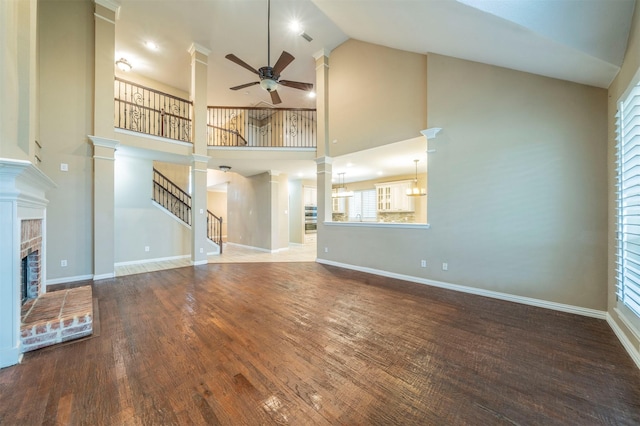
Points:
[(63, 262), (326, 249), (64, 167), (423, 263), (201, 250), (146, 248), (445, 266)]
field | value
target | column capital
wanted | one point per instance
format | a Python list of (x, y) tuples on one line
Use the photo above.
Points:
[(111, 5), (321, 53), (104, 142)]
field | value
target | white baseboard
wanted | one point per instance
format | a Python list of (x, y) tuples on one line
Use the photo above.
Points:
[(199, 262), (10, 356), (477, 291), (157, 259), (69, 279), (107, 276), (631, 350), (259, 248)]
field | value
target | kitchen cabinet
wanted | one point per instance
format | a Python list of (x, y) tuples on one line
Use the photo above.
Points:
[(310, 196), (338, 204), (392, 197)]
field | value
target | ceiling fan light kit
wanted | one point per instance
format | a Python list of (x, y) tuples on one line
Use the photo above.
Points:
[(270, 76)]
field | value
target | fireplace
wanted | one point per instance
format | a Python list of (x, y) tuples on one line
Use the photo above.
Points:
[(23, 211)]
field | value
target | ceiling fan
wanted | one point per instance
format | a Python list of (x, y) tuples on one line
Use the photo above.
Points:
[(270, 76)]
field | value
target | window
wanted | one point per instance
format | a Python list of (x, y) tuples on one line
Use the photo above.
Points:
[(362, 206), (628, 201)]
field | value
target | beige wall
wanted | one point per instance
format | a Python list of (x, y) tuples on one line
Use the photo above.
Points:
[(138, 222), (65, 30), (176, 173), (217, 204), (18, 68), (377, 96), (249, 210), (628, 75), (517, 189)]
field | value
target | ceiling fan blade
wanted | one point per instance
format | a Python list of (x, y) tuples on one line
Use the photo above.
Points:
[(243, 64), (242, 86), (296, 85), (283, 61), (275, 98)]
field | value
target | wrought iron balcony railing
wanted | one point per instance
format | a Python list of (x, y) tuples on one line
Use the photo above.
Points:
[(145, 110), (262, 127)]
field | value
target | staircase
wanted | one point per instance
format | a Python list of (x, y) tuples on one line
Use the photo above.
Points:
[(177, 202)]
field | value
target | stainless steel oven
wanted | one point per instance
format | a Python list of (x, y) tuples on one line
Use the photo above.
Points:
[(310, 219)]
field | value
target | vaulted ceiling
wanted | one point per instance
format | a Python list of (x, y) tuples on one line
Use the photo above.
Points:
[(583, 41), (577, 40)]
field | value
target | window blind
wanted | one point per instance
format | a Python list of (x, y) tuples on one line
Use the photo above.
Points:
[(628, 201), (363, 203)]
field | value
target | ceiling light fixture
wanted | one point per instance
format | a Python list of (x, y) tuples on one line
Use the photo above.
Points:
[(123, 65), (312, 95), (415, 191), (340, 190), (151, 45), (224, 168)]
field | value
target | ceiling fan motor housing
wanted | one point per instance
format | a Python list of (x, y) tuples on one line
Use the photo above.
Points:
[(268, 80)]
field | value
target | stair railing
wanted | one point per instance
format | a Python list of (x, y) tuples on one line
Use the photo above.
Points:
[(214, 229), (171, 197), (175, 200)]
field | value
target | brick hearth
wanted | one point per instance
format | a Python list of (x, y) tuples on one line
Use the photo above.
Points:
[(57, 317)]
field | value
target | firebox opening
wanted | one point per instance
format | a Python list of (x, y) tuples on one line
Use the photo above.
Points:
[(25, 279), (30, 276)]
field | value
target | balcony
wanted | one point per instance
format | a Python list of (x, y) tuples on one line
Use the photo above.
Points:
[(148, 111), (261, 127)]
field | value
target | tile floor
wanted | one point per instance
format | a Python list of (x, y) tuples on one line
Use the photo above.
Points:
[(233, 253)]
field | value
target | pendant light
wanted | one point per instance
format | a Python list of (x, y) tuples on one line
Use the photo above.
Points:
[(415, 191), (340, 190)]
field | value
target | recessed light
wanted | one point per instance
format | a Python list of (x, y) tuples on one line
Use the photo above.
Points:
[(296, 27), (151, 45), (312, 95)]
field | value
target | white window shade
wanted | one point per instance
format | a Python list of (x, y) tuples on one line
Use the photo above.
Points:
[(628, 198), (362, 206)]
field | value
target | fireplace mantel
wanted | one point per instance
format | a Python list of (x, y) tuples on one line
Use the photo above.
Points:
[(22, 197)]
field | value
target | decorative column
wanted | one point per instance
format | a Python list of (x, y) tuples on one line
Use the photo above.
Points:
[(323, 160), (103, 139), (322, 102), (199, 162), (199, 241), (325, 202), (103, 207)]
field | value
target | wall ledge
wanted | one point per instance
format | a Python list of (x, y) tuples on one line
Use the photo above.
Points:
[(395, 225)]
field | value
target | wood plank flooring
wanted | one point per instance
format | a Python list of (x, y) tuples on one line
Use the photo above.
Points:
[(309, 344)]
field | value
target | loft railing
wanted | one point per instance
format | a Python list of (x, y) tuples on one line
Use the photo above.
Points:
[(262, 127), (171, 197), (214, 229), (141, 109)]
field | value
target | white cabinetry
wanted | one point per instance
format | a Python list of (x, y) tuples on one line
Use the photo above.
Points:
[(338, 204), (392, 197), (310, 196)]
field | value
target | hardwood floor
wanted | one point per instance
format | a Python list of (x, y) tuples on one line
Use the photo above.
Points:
[(308, 344)]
